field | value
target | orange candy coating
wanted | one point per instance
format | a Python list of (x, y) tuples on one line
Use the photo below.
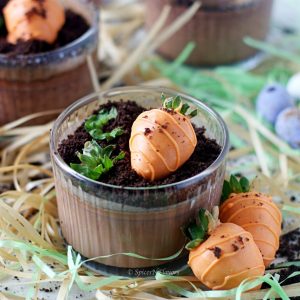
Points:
[(33, 19), (256, 213), (161, 141), (226, 258)]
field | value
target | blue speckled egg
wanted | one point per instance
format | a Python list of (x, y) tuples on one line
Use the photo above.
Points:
[(272, 99), (288, 126)]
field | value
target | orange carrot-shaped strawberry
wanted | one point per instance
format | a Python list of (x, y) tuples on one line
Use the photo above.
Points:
[(162, 139), (255, 212), (31, 19), (223, 256)]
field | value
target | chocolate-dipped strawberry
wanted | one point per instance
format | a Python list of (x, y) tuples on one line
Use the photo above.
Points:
[(33, 20), (162, 139), (255, 212), (222, 255)]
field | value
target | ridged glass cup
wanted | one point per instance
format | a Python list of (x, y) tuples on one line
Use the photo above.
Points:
[(50, 80), (99, 219)]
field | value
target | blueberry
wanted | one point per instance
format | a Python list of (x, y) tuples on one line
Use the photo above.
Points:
[(288, 126), (293, 86), (272, 99)]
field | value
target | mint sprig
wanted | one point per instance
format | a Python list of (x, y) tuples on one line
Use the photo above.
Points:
[(95, 160), (95, 123), (234, 185), (97, 134), (175, 103), (197, 230)]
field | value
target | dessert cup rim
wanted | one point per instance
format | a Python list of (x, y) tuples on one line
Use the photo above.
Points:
[(55, 52), (91, 98)]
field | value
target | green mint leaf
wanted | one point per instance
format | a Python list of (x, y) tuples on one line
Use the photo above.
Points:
[(104, 116), (194, 231), (184, 108), (202, 222), (176, 102), (168, 103), (90, 123), (96, 160), (93, 150), (100, 170), (107, 151), (107, 163), (234, 186), (171, 102), (97, 134), (245, 184), (95, 123), (100, 120), (89, 161), (163, 97), (117, 132), (193, 113), (197, 230), (114, 133), (85, 171), (120, 156), (193, 244), (108, 136), (226, 190)]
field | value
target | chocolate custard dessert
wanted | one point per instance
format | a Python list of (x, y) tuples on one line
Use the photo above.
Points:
[(131, 168), (43, 50), (218, 28)]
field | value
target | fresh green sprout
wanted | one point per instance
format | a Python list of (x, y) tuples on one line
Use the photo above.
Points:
[(95, 123), (95, 160)]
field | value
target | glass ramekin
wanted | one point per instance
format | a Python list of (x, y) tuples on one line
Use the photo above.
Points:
[(218, 29), (49, 80), (97, 219)]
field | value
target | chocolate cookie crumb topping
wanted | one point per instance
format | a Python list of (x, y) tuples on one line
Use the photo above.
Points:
[(235, 247), (206, 151), (217, 252), (147, 131)]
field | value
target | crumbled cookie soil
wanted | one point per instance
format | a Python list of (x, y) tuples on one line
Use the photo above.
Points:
[(206, 152), (289, 245), (289, 249)]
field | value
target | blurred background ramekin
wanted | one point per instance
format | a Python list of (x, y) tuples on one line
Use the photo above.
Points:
[(50, 80), (218, 29)]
